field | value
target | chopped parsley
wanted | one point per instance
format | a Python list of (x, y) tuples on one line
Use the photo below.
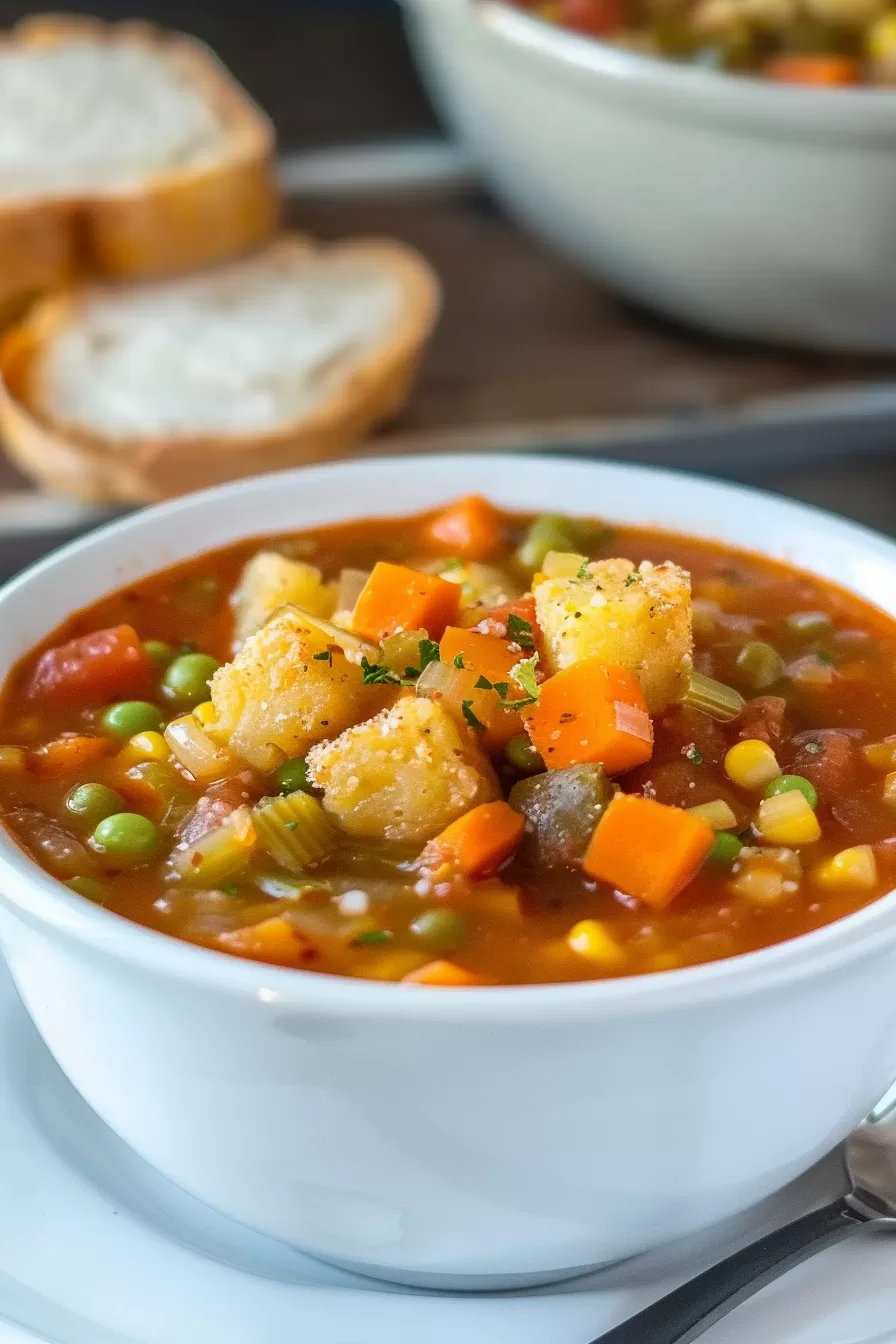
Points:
[(459, 663), (814, 748), (467, 711), (291, 825), (693, 754), (483, 684), (632, 578), (524, 676), (429, 652), (372, 936), (583, 570), (825, 657), (376, 674), (324, 657), (520, 631), (454, 563), (229, 888)]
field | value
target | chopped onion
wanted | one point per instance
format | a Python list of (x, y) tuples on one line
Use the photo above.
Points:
[(196, 751), (351, 582)]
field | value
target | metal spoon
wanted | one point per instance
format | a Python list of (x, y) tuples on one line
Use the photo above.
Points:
[(683, 1315)]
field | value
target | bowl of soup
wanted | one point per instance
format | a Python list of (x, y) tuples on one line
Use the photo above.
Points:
[(436, 864), (750, 206)]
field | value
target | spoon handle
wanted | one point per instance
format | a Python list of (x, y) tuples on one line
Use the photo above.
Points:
[(684, 1314)]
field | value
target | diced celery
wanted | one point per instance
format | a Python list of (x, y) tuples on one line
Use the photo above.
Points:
[(713, 698), (294, 830)]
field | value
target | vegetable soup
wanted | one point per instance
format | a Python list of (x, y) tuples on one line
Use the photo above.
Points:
[(820, 43), (465, 748)]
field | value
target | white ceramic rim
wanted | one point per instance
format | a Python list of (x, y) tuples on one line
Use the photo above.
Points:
[(41, 900), (819, 110)]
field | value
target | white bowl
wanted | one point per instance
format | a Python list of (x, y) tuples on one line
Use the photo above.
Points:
[(468, 1138), (752, 208)]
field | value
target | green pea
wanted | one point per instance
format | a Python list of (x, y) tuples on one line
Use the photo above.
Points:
[(725, 848), (129, 717), (88, 887), (551, 532), (809, 623), (92, 803), (522, 755), (760, 665), (293, 776), (160, 652), (793, 784), (185, 683), (443, 929), (126, 838)]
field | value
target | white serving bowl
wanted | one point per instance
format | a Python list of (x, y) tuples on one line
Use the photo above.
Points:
[(752, 208), (465, 1138)]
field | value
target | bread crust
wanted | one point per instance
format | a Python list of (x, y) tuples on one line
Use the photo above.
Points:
[(175, 219), (140, 470)]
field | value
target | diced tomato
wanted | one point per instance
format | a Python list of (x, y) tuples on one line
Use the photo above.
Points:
[(100, 666), (600, 18)]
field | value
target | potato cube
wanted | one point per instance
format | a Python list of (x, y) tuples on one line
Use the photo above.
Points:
[(278, 698), (270, 581), (404, 775), (638, 618)]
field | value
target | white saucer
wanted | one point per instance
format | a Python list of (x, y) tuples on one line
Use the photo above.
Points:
[(95, 1248)]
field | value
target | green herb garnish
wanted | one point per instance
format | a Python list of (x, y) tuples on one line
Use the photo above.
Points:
[(520, 631), (291, 825), (324, 657), (824, 656), (429, 652), (583, 570), (377, 674), (229, 888), (814, 748), (694, 755), (467, 711), (372, 936), (454, 563), (459, 662), (524, 676), (483, 684), (632, 578)]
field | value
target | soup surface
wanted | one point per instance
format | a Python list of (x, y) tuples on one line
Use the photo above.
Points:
[(464, 748), (825, 43)]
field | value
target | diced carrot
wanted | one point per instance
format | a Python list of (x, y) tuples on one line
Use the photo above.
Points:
[(647, 849), (443, 974), (275, 940), (398, 598), (479, 841), (471, 528), (66, 755), (493, 658), (100, 666), (590, 712), (488, 656), (819, 70)]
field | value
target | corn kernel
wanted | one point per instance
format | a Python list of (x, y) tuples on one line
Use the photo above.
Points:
[(143, 747), (591, 940), (787, 819), (205, 713), (880, 42), (751, 764), (12, 760), (881, 755), (716, 814), (855, 867), (889, 794)]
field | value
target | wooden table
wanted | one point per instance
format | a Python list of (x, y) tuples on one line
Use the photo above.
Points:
[(525, 343)]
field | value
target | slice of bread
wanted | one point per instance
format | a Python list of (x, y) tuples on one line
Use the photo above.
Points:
[(139, 392), (125, 152)]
